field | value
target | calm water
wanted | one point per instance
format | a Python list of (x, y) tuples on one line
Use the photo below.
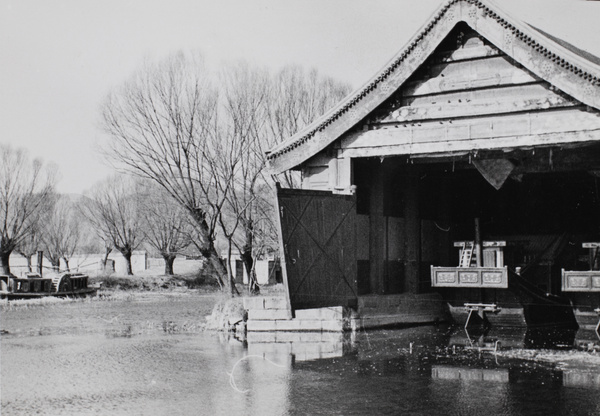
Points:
[(150, 358)]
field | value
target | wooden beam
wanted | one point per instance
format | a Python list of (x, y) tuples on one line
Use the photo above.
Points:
[(509, 99), (457, 76), (545, 128), (474, 47), (465, 147), (377, 230)]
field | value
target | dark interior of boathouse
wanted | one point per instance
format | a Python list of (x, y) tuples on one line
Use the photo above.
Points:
[(414, 209)]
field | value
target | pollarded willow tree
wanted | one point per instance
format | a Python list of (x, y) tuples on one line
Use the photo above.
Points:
[(160, 124), (60, 232), (26, 189), (29, 246), (165, 224), (204, 141), (113, 209)]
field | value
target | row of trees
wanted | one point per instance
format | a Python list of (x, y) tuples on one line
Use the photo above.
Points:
[(202, 138), (126, 213), (121, 212), (193, 143), (26, 195)]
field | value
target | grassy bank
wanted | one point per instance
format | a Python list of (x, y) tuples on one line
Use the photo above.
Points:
[(193, 294), (154, 282)]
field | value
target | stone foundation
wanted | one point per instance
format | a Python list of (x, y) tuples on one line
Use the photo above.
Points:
[(272, 314), (302, 346)]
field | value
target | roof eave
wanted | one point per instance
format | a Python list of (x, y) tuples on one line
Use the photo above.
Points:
[(507, 31)]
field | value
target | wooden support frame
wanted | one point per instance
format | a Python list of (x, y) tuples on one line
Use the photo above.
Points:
[(480, 309)]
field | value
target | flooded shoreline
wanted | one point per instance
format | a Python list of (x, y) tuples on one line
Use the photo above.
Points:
[(148, 353)]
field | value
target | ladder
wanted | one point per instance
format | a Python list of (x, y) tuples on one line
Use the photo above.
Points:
[(466, 254)]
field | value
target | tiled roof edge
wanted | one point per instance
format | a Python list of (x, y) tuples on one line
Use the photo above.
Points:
[(329, 118)]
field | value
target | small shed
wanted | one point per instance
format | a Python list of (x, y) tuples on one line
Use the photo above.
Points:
[(480, 116), (267, 269)]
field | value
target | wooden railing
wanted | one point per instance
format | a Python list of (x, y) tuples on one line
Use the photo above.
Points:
[(470, 277), (579, 281)]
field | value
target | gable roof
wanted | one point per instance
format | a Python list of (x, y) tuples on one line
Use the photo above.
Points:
[(563, 65)]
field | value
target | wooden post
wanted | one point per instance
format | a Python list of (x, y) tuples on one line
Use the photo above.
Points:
[(444, 209), (376, 230), (412, 227), (477, 242), (279, 213), (40, 261)]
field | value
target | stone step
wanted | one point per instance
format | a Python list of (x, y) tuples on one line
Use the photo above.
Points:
[(334, 312), (269, 314), (265, 302)]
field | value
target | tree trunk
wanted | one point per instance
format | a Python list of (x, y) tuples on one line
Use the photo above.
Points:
[(169, 260), (55, 265), (67, 268), (230, 282), (127, 256), (247, 257), (219, 269), (207, 247), (248, 261), (29, 264), (230, 287), (107, 251), (4, 256)]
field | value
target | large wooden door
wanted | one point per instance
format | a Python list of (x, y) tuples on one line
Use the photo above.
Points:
[(318, 235)]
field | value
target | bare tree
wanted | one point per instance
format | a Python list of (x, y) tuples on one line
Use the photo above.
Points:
[(258, 111), (112, 207), (61, 232), (239, 162), (160, 124), (25, 191), (298, 98), (206, 148), (166, 225), (29, 247)]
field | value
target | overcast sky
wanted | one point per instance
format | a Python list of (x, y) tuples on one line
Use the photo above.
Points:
[(59, 58)]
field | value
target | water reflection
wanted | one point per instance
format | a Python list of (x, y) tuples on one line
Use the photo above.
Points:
[(469, 374), (588, 340), (300, 346), (153, 359), (580, 378), (427, 370), (528, 338)]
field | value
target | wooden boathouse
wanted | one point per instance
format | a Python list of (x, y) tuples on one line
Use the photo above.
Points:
[(469, 164)]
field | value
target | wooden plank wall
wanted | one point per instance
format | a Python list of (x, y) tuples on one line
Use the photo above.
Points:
[(472, 98)]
